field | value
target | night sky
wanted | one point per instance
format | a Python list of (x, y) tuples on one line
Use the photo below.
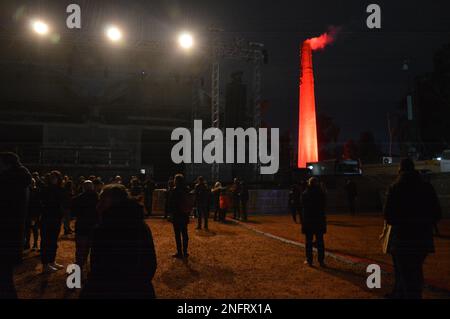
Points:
[(358, 79)]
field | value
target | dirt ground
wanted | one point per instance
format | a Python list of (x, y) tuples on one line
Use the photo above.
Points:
[(358, 236), (231, 261)]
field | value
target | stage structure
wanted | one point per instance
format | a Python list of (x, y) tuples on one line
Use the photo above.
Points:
[(239, 50), (110, 93)]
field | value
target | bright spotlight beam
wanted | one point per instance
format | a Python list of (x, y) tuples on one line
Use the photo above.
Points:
[(40, 27), (114, 34), (186, 41)]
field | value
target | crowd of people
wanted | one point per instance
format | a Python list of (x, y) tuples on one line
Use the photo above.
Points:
[(112, 236), (109, 229)]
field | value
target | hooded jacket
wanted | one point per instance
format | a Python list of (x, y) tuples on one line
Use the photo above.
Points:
[(123, 258)]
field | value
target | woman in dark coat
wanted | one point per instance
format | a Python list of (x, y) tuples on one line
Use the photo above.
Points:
[(52, 214), (123, 258), (84, 207), (33, 216), (314, 220), (412, 209), (180, 206)]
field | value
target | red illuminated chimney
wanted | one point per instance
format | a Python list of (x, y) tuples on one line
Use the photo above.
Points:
[(307, 130)]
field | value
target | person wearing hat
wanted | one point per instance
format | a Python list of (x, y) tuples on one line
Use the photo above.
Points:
[(412, 209)]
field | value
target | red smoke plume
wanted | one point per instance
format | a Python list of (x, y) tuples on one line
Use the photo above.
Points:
[(320, 42)]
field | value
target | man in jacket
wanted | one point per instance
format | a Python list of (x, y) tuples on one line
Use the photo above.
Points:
[(314, 220), (84, 207), (201, 193), (179, 208), (412, 209), (52, 214)]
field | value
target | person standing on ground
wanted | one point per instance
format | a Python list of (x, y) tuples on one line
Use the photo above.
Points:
[(149, 188), (84, 207), (52, 214), (66, 204), (180, 209), (201, 193), (412, 209), (314, 220), (15, 181), (123, 259), (235, 191), (33, 217), (170, 186), (352, 193), (216, 199), (224, 203), (294, 201), (244, 197)]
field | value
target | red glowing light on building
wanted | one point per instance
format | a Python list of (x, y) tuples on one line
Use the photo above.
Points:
[(307, 130)]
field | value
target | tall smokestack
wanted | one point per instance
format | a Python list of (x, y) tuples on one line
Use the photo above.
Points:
[(307, 130)]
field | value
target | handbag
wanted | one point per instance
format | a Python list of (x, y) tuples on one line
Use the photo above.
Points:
[(386, 239)]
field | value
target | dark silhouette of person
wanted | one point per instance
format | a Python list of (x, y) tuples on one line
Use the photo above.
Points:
[(34, 213), (180, 209), (201, 193), (123, 259), (98, 185), (38, 179), (135, 187), (149, 188), (412, 209), (84, 208), (235, 191), (224, 203), (68, 193), (52, 214), (170, 186), (294, 201), (215, 191), (352, 193), (314, 220), (15, 181), (244, 196)]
